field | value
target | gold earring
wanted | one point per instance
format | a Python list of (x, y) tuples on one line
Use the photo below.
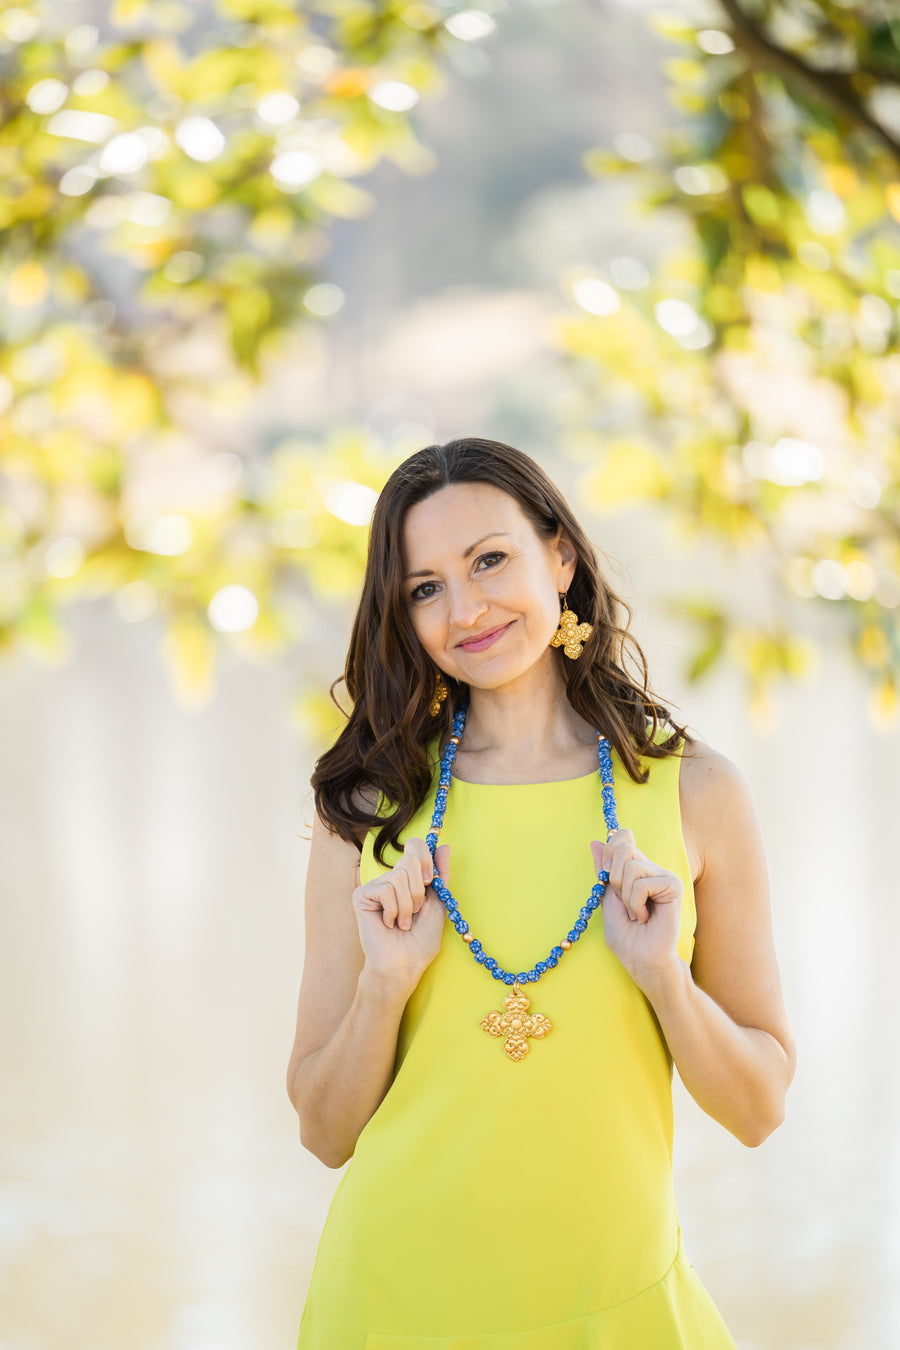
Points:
[(570, 634), (440, 693)]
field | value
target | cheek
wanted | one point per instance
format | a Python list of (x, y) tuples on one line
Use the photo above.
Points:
[(424, 625)]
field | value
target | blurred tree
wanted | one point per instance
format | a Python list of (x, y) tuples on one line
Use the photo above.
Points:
[(749, 380), (168, 174)]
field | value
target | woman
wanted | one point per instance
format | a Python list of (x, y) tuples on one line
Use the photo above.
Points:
[(504, 1090)]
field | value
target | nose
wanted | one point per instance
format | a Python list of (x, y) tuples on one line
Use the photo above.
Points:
[(466, 605)]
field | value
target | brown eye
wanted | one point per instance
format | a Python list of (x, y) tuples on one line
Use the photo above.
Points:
[(415, 595)]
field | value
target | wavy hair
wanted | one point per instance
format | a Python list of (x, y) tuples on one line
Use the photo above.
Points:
[(383, 747)]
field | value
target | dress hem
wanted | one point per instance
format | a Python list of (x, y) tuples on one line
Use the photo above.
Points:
[(676, 1312)]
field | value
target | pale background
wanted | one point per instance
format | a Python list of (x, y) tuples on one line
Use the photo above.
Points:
[(154, 1194)]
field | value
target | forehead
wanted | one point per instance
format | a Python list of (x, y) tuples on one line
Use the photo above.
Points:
[(455, 516)]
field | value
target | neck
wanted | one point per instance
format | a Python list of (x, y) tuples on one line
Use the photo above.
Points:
[(526, 722)]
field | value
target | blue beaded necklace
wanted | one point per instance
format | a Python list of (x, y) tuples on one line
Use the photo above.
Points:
[(516, 1025)]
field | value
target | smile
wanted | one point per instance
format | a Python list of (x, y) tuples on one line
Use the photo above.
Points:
[(479, 644)]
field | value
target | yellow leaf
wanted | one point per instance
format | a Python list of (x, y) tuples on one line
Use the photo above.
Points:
[(873, 646), (28, 285), (216, 72), (164, 63), (883, 706), (842, 179), (684, 70), (133, 401), (188, 649), (340, 198), (765, 712), (630, 471), (348, 83), (272, 227), (194, 189), (761, 273)]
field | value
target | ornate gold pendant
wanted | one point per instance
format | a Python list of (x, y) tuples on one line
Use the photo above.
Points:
[(516, 1024), (570, 635)]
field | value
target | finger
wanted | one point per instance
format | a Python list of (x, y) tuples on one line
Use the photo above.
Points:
[(379, 894), (418, 855), (442, 859), (633, 872), (620, 849), (408, 884)]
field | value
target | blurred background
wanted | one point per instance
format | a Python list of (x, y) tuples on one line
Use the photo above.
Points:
[(254, 254)]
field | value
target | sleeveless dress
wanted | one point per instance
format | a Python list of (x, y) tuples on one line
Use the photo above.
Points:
[(501, 1205)]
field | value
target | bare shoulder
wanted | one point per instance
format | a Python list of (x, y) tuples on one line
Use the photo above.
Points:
[(712, 792)]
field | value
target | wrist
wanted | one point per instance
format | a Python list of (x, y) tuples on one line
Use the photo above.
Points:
[(666, 986), (386, 988)]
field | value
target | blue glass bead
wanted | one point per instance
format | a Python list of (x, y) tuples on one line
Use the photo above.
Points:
[(445, 780)]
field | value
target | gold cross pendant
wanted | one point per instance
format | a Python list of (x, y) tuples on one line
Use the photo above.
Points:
[(516, 1024)]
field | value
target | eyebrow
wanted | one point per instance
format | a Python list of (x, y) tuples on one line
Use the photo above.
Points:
[(429, 571)]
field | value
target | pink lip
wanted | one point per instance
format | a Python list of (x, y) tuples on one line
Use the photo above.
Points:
[(481, 643)]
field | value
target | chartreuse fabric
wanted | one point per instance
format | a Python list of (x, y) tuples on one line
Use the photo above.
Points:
[(495, 1205)]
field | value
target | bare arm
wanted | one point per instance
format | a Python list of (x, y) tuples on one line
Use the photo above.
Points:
[(366, 948), (348, 1017), (724, 1017), (337, 1089)]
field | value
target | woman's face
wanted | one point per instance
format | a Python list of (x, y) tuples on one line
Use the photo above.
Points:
[(510, 577)]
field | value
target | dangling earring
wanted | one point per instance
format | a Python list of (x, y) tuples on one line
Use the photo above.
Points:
[(440, 693), (570, 634)]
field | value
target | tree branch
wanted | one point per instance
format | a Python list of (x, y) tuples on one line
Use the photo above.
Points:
[(833, 87)]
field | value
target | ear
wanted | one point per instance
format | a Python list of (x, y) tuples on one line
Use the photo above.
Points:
[(568, 559)]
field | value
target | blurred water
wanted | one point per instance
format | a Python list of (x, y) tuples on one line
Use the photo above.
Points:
[(154, 1191)]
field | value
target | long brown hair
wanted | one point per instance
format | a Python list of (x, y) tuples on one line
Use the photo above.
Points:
[(385, 742)]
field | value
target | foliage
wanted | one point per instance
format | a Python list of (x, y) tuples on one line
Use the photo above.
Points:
[(166, 190), (749, 380)]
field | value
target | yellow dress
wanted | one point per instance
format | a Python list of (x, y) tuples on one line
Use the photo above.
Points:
[(496, 1205)]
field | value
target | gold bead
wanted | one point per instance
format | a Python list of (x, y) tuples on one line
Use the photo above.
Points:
[(565, 944), (468, 937)]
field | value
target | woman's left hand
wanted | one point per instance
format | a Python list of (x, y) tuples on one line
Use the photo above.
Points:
[(641, 910)]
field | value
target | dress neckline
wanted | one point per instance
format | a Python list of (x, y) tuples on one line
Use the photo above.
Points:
[(552, 782)]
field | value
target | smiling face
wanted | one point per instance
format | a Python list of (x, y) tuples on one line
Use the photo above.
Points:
[(510, 577)]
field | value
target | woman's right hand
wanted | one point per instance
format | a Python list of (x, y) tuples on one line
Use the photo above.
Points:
[(400, 918)]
